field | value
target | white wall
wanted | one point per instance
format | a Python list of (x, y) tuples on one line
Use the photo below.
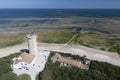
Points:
[(17, 66), (32, 44)]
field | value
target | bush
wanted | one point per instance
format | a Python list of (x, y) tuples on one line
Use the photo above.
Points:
[(5, 64), (102, 49), (5, 69), (113, 48)]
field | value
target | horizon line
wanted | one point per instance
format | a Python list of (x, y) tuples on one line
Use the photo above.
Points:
[(59, 8)]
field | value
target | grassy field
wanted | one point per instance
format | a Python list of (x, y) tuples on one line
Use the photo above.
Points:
[(47, 36), (54, 36), (93, 39), (10, 39), (102, 41)]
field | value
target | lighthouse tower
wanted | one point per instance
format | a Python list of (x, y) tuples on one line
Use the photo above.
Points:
[(32, 43)]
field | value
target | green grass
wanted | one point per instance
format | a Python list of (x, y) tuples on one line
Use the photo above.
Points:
[(8, 76), (37, 77), (23, 77), (99, 40), (54, 36), (11, 39), (47, 36), (5, 69), (91, 39)]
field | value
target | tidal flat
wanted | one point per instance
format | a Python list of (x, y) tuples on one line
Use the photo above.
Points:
[(99, 32)]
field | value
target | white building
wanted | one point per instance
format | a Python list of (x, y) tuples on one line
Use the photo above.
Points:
[(32, 43), (26, 60)]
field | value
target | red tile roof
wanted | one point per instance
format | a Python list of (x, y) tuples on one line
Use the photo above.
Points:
[(76, 63), (26, 57)]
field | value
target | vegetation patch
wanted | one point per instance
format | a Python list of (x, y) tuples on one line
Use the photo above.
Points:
[(8, 76), (92, 39), (11, 39), (54, 36), (100, 41), (5, 68), (23, 77)]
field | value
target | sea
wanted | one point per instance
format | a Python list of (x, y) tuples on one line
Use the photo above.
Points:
[(13, 17), (48, 13)]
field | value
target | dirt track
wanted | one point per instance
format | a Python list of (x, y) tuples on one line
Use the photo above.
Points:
[(90, 53)]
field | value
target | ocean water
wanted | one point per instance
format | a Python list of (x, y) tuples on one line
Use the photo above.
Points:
[(14, 17), (47, 13)]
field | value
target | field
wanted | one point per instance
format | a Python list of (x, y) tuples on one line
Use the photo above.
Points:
[(48, 36), (107, 42), (93, 39), (54, 36), (10, 39)]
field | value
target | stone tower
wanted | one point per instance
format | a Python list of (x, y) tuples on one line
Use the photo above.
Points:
[(32, 43)]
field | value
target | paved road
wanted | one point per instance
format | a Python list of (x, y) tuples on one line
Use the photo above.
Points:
[(90, 53), (12, 49)]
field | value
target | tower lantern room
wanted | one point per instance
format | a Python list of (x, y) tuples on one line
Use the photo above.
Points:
[(32, 43)]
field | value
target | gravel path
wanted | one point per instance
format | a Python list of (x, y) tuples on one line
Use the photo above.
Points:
[(90, 53)]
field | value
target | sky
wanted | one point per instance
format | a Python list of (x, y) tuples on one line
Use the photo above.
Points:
[(102, 4)]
